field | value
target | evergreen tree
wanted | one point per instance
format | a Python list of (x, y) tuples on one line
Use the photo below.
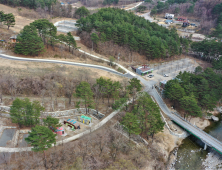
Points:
[(70, 40), (41, 138), (81, 12), (9, 20), (25, 113), (29, 43), (189, 104), (134, 87), (2, 16), (83, 90), (103, 37), (174, 91), (51, 122), (95, 39), (131, 124)]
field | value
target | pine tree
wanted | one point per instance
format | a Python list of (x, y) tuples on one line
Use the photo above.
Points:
[(131, 124), (83, 90), (95, 39), (41, 138), (9, 20), (70, 40), (103, 37), (29, 43)]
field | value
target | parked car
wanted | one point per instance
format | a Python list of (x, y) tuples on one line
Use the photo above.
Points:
[(150, 76), (165, 75)]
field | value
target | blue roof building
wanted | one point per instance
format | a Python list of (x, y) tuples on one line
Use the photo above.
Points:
[(168, 21)]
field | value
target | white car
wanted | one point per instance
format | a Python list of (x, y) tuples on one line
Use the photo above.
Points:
[(150, 76), (165, 75)]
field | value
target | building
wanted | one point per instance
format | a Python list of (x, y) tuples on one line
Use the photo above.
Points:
[(186, 23), (72, 124), (169, 21), (58, 130), (84, 119), (144, 70), (181, 18), (13, 38), (163, 83), (169, 16)]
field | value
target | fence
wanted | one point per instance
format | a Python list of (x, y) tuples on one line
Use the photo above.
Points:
[(72, 112)]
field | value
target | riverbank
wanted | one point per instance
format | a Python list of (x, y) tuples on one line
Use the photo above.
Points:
[(188, 149), (191, 155)]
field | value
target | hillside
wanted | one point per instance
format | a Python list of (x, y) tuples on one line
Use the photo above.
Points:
[(128, 33), (206, 12)]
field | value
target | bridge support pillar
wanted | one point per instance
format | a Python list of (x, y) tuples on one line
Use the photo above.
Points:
[(205, 146)]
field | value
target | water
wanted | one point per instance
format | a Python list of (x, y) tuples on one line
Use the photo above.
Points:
[(191, 154), (6, 136)]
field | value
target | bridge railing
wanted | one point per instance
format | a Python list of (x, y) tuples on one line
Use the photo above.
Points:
[(163, 104), (197, 128)]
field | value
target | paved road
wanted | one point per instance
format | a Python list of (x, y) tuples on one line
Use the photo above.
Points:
[(206, 138), (147, 84), (67, 63), (147, 16)]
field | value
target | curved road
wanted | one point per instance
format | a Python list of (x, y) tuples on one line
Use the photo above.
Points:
[(67, 63), (208, 139)]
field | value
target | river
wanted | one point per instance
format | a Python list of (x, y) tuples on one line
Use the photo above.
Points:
[(191, 155)]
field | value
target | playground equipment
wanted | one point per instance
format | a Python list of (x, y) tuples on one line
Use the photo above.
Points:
[(58, 130), (84, 119), (72, 124)]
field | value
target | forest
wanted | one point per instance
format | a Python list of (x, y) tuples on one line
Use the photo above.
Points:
[(195, 93), (40, 33), (211, 49), (132, 32)]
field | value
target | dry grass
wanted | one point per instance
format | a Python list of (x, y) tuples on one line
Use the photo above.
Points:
[(24, 16), (5, 34), (36, 68)]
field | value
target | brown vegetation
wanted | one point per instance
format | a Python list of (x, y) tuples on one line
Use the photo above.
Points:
[(104, 149), (111, 49), (202, 13)]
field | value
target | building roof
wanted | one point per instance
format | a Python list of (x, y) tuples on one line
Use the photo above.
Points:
[(13, 37), (168, 20), (145, 69), (164, 82)]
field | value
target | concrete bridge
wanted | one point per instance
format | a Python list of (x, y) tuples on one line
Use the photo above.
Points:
[(200, 134)]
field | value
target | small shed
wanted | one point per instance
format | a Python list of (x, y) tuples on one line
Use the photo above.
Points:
[(13, 38), (84, 119), (181, 18), (133, 68), (168, 21), (144, 69), (72, 123), (58, 130), (163, 83), (186, 23)]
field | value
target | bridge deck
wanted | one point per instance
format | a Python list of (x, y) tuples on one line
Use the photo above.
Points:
[(205, 137)]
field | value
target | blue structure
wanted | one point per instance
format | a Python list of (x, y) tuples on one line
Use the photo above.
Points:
[(169, 21)]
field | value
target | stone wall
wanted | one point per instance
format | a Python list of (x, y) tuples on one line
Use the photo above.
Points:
[(72, 112)]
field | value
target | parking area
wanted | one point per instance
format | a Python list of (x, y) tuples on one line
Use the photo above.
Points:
[(171, 68)]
